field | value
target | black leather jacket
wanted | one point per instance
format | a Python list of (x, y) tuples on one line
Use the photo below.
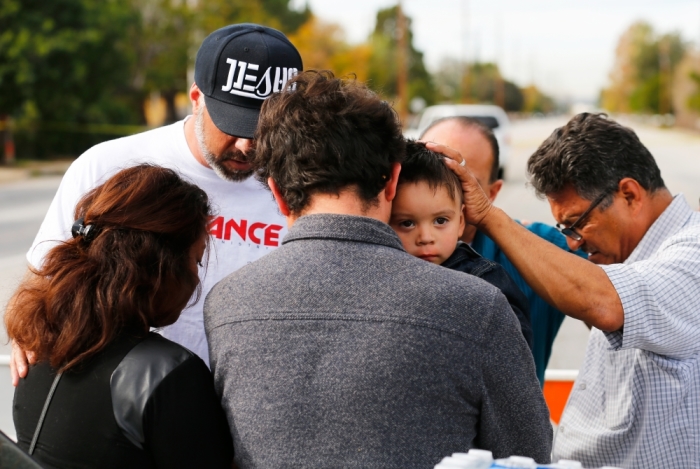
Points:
[(141, 402)]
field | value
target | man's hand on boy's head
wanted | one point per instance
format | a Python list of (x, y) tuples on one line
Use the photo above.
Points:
[(476, 202)]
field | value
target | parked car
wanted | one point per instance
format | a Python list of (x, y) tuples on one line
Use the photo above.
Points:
[(492, 116)]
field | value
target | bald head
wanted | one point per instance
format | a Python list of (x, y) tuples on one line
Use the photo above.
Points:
[(476, 145), (475, 142)]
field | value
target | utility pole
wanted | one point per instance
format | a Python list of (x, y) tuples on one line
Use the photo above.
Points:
[(500, 91), (472, 94), (402, 73), (664, 76), (8, 141), (463, 62)]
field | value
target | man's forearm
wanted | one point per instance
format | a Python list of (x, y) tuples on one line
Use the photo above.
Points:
[(576, 287)]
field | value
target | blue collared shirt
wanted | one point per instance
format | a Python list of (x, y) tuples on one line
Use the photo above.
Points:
[(466, 259), (545, 319)]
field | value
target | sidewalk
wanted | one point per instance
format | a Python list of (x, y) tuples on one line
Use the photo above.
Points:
[(28, 169)]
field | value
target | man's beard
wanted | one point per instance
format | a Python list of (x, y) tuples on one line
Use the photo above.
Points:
[(216, 162)]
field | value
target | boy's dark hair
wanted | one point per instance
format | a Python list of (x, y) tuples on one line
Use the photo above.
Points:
[(592, 153), (484, 130), (324, 134), (423, 165)]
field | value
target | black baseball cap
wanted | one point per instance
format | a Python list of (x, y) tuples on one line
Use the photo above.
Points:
[(237, 67)]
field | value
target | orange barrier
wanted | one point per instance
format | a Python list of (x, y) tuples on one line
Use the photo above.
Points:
[(557, 387)]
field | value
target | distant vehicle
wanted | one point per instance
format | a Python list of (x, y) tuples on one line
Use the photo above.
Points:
[(491, 116)]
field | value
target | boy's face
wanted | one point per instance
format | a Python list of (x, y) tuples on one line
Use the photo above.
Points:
[(428, 222)]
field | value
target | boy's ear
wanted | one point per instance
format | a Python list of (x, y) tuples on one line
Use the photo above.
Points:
[(462, 223)]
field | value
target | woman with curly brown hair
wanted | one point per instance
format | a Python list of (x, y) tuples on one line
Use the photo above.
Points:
[(105, 392)]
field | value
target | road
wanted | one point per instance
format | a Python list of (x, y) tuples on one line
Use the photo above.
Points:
[(22, 207), (23, 204)]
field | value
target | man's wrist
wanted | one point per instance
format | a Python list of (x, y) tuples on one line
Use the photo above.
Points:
[(491, 219)]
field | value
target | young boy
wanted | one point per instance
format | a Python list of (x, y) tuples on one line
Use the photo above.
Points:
[(427, 215)]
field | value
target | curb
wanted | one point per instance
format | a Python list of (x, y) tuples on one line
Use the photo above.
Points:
[(8, 175), (33, 169)]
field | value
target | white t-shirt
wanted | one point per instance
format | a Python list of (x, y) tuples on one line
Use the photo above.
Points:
[(245, 227)]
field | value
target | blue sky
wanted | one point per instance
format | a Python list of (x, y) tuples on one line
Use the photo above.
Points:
[(567, 47)]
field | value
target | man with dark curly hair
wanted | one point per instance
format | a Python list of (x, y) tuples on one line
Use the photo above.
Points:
[(636, 402), (340, 349)]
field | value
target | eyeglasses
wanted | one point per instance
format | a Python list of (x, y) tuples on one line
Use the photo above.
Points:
[(571, 230)]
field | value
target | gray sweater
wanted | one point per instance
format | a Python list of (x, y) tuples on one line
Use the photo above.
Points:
[(339, 349)]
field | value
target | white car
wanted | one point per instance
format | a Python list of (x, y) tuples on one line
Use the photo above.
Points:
[(492, 116)]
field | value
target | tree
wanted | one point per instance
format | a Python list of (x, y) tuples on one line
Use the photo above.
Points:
[(63, 60), (686, 90), (383, 63), (640, 80), (161, 50), (289, 20), (694, 99), (480, 85), (536, 101), (168, 34), (211, 15), (476, 83), (323, 47), (62, 65), (67, 66)]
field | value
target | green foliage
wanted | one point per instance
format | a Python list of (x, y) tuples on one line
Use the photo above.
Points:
[(647, 94), (694, 99), (322, 46), (641, 75), (67, 65), (61, 65), (536, 101), (59, 58), (289, 20), (383, 66), (477, 83), (481, 82), (214, 14)]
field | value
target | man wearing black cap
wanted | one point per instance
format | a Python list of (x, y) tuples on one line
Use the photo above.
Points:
[(250, 62), (236, 68)]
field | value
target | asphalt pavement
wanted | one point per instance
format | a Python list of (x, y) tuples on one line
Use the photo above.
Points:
[(23, 204)]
